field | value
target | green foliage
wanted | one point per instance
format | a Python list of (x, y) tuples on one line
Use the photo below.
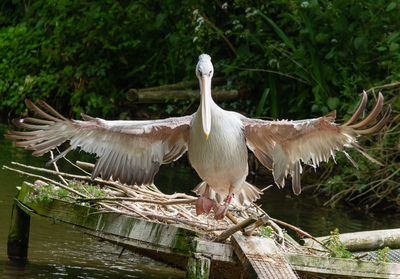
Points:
[(88, 54), (47, 192), (382, 255), (265, 231), (312, 55), (338, 249)]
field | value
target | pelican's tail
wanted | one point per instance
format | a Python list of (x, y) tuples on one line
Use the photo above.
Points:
[(247, 194), (201, 190)]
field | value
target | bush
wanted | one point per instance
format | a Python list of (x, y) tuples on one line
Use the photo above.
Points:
[(88, 54)]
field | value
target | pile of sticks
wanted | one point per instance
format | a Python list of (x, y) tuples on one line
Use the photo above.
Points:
[(145, 202), (149, 203)]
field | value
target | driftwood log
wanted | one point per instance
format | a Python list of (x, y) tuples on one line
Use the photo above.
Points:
[(182, 85), (179, 91), (365, 241), (161, 96)]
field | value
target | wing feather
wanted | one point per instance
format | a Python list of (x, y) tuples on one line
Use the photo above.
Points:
[(283, 145), (128, 151)]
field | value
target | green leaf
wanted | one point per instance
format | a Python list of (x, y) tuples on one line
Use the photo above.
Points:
[(330, 54), (394, 47), (360, 43), (333, 102), (279, 31), (261, 103), (322, 38), (393, 37), (391, 6)]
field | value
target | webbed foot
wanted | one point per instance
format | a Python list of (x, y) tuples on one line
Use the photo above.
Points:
[(220, 211), (204, 205)]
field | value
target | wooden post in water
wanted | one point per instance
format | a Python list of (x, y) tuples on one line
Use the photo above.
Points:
[(198, 267), (18, 235)]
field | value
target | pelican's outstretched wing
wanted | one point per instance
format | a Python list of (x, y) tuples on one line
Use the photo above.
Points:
[(281, 146), (130, 151)]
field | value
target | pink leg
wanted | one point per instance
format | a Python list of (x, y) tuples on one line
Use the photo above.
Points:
[(220, 210), (204, 204)]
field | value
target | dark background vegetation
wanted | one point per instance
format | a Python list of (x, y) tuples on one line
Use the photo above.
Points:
[(290, 59)]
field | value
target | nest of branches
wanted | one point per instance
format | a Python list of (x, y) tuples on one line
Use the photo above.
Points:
[(146, 202), (149, 203)]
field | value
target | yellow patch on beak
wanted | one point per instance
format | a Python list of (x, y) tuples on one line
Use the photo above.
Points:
[(207, 136)]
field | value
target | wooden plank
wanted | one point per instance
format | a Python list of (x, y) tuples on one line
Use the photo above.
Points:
[(261, 257), (170, 244), (147, 234), (224, 263), (343, 267), (216, 251)]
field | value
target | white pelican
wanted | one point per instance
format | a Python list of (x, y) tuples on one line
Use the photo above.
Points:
[(216, 141)]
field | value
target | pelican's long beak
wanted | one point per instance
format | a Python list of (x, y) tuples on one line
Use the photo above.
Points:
[(205, 90)]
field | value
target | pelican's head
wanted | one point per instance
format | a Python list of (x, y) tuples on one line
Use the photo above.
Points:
[(204, 72)]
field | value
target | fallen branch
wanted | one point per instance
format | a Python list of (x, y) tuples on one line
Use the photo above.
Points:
[(111, 183), (360, 256), (393, 84), (46, 179), (300, 232), (84, 165), (161, 96), (232, 218), (56, 168), (170, 202), (181, 85), (227, 233)]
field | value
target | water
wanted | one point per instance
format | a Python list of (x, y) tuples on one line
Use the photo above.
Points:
[(60, 251)]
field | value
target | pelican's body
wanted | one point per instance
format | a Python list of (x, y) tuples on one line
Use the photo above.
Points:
[(220, 160), (216, 140)]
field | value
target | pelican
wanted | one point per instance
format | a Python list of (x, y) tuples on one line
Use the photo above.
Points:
[(216, 141)]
